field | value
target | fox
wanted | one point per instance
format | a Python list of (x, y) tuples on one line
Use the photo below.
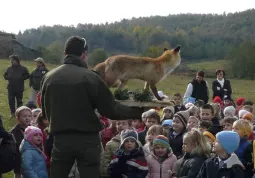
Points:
[(117, 70)]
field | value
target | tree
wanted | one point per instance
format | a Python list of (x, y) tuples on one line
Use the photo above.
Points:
[(242, 60), (98, 55)]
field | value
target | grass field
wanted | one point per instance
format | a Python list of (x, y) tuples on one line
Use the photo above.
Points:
[(209, 66), (171, 85)]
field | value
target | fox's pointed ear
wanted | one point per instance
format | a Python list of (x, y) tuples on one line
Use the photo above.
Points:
[(165, 49), (177, 49)]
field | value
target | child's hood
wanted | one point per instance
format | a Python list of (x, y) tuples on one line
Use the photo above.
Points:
[(233, 160), (116, 138), (25, 145)]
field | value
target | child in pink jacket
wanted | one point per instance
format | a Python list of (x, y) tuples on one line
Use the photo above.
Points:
[(162, 162)]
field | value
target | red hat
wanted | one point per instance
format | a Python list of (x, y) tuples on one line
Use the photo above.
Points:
[(217, 99), (240, 101)]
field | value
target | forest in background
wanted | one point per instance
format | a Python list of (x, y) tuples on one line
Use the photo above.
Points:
[(201, 36)]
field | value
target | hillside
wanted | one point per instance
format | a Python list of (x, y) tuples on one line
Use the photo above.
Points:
[(202, 36)]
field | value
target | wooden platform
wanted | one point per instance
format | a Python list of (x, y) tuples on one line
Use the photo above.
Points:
[(154, 104)]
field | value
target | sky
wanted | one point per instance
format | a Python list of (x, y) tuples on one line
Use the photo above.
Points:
[(25, 14)]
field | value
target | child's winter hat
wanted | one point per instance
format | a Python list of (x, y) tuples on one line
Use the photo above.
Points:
[(217, 99), (171, 108), (21, 108), (30, 132), (228, 140), (229, 109), (183, 116), (227, 97), (193, 110), (241, 113), (239, 101), (189, 105), (161, 140), (167, 122), (210, 135), (128, 133), (248, 116)]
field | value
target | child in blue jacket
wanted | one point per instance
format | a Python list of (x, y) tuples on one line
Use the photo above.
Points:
[(33, 159)]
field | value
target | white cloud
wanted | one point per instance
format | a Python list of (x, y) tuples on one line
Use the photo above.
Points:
[(22, 14)]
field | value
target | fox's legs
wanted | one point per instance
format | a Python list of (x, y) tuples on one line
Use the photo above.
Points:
[(122, 84), (146, 86), (155, 91)]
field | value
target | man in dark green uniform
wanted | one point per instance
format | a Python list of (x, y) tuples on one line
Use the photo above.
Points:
[(70, 95)]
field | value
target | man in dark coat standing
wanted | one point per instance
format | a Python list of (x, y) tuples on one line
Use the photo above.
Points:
[(70, 95), (16, 75)]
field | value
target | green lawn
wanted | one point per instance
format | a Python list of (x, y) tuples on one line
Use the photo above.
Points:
[(171, 85), (209, 66)]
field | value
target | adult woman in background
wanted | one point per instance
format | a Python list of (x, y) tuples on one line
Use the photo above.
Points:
[(221, 86)]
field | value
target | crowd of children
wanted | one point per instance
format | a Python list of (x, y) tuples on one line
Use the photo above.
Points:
[(196, 141)]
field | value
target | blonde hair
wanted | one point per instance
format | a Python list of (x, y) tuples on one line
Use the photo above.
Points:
[(244, 126), (157, 130), (195, 137), (20, 109)]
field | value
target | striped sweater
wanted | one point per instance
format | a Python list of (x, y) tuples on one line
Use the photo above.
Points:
[(131, 165)]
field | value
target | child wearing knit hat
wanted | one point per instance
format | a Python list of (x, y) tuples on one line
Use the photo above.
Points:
[(129, 159), (225, 163), (167, 125), (229, 111), (197, 150), (152, 133), (241, 113), (209, 137), (245, 149), (33, 157), (176, 134), (248, 116), (168, 113), (23, 116), (162, 161)]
